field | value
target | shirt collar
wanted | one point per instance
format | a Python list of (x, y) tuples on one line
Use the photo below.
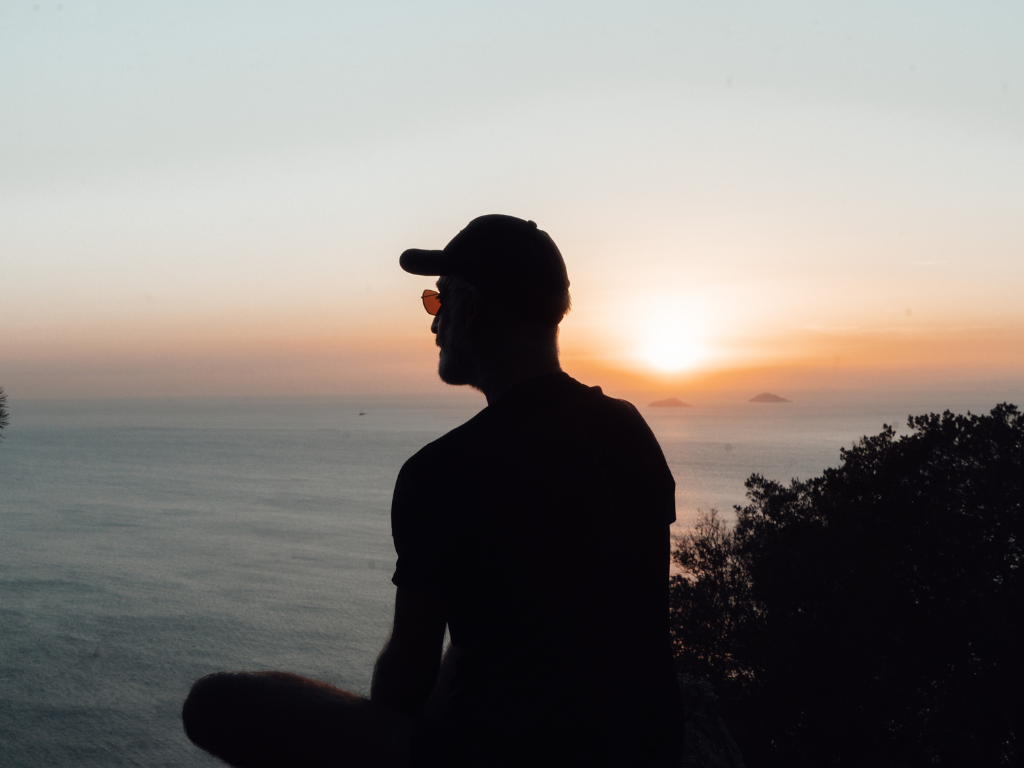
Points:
[(537, 388)]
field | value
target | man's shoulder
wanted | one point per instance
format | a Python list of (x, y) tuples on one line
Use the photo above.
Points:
[(596, 403), (594, 411), (448, 448)]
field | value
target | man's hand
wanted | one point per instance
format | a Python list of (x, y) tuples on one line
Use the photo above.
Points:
[(407, 667)]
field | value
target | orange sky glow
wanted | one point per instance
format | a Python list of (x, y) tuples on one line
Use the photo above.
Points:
[(750, 199)]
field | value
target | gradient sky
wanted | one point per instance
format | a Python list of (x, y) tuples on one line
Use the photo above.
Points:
[(210, 197)]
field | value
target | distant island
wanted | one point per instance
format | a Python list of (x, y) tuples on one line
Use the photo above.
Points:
[(672, 402), (768, 397)]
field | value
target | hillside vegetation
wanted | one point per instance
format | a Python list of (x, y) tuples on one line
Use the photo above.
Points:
[(872, 616)]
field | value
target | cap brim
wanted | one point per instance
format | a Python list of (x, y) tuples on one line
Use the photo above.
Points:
[(419, 262)]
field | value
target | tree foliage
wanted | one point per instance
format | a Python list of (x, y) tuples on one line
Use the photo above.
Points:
[(4, 416), (872, 616)]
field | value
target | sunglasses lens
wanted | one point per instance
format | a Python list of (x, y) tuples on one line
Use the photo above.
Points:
[(431, 302)]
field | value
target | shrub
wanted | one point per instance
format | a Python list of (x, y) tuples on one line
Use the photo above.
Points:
[(874, 615)]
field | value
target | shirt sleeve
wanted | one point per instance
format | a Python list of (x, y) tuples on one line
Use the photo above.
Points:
[(411, 531), (665, 483), (652, 466)]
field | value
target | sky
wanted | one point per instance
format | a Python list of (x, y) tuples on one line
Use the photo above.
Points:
[(209, 198)]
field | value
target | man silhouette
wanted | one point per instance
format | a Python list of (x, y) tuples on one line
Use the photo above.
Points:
[(537, 533)]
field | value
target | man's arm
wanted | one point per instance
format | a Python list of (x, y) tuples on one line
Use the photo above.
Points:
[(438, 700), (407, 667)]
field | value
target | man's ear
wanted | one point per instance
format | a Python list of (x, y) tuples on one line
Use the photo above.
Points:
[(474, 308)]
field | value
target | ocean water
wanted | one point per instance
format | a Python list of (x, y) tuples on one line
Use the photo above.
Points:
[(145, 543)]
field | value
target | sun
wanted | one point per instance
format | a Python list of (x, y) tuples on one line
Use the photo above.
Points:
[(665, 332), (671, 348)]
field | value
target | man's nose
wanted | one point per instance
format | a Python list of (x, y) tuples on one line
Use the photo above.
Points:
[(433, 325)]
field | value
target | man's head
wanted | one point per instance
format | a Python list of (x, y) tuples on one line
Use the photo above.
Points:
[(503, 290)]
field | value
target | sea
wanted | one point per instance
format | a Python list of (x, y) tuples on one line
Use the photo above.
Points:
[(147, 542)]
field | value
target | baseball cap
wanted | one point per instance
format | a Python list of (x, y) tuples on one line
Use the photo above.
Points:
[(499, 255)]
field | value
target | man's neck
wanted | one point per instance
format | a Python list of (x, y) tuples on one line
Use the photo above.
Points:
[(497, 382)]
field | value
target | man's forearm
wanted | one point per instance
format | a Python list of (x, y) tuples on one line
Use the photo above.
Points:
[(402, 683), (443, 686)]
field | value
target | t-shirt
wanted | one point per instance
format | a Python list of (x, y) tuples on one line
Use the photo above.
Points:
[(542, 524)]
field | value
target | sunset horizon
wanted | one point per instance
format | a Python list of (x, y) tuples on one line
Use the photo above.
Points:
[(333, 361)]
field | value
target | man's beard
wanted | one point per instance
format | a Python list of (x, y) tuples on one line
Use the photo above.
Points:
[(457, 360)]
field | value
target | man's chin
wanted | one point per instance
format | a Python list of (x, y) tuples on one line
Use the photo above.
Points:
[(452, 374), (450, 377)]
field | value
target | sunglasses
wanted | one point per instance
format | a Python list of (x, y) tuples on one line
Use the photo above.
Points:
[(432, 299)]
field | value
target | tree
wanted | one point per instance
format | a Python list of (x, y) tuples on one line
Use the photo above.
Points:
[(4, 416), (872, 616)]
